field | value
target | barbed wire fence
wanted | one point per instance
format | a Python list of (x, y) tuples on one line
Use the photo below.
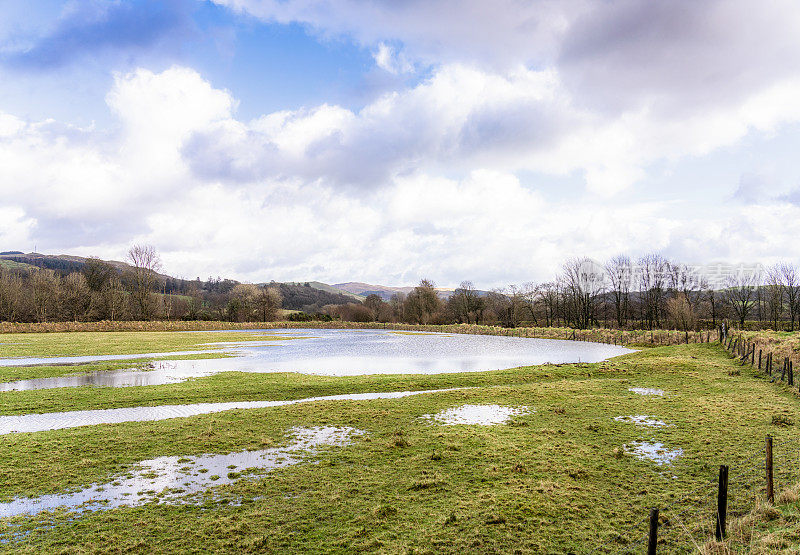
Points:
[(690, 522)]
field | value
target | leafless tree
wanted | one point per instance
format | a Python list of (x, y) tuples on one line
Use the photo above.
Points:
[(75, 296), (146, 264), (713, 301), (467, 304), (582, 282), (11, 287), (791, 282), (652, 270), (740, 293), (113, 298), (97, 273), (268, 302), (682, 313), (397, 303), (620, 275), (529, 297), (46, 286), (550, 299), (773, 294), (422, 303)]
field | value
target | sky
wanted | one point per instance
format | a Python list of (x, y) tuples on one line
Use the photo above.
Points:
[(389, 141)]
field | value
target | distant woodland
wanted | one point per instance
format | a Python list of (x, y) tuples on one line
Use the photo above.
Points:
[(648, 293)]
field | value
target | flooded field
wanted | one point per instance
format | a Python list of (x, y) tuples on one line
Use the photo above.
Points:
[(178, 479), (317, 435), (334, 353), (60, 420)]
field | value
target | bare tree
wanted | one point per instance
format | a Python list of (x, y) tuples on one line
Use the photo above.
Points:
[(773, 294), (97, 273), (75, 296), (422, 303), (652, 269), (397, 302), (467, 304), (46, 287), (241, 303), (713, 301), (529, 297), (113, 298), (268, 302), (582, 282), (682, 314), (549, 297), (740, 293), (146, 264), (620, 274), (11, 287), (791, 282)]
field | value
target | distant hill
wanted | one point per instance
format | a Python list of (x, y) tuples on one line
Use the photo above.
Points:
[(385, 292), (63, 263), (329, 288), (310, 298)]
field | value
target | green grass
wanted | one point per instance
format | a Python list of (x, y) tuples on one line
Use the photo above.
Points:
[(117, 343), (552, 481), (111, 343)]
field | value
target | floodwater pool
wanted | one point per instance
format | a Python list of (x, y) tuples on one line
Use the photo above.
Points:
[(332, 353)]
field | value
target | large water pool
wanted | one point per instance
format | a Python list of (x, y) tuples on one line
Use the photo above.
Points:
[(334, 353)]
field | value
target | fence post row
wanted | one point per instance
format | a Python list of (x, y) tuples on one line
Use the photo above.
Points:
[(768, 466), (652, 540), (722, 502)]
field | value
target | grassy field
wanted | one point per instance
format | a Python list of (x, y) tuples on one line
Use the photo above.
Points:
[(42, 345), (558, 479)]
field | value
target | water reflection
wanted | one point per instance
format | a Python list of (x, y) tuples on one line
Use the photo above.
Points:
[(177, 479), (73, 419), (341, 353), (480, 415)]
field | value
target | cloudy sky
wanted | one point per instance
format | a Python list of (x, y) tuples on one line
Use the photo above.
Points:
[(385, 141)]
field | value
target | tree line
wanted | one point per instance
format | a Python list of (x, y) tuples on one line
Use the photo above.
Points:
[(649, 292), (97, 290)]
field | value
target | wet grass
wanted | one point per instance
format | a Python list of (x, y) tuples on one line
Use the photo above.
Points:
[(553, 481), (117, 343), (42, 345), (14, 373)]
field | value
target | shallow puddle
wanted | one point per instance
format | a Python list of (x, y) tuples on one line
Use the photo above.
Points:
[(153, 373), (642, 420), (646, 391), (655, 451), (52, 361), (74, 419), (482, 415), (342, 353), (177, 479)]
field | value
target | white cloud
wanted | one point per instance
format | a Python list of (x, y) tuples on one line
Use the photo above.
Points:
[(15, 227), (388, 59), (421, 182)]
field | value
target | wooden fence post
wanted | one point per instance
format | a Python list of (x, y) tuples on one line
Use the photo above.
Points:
[(722, 502), (652, 541), (759, 359), (770, 485)]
